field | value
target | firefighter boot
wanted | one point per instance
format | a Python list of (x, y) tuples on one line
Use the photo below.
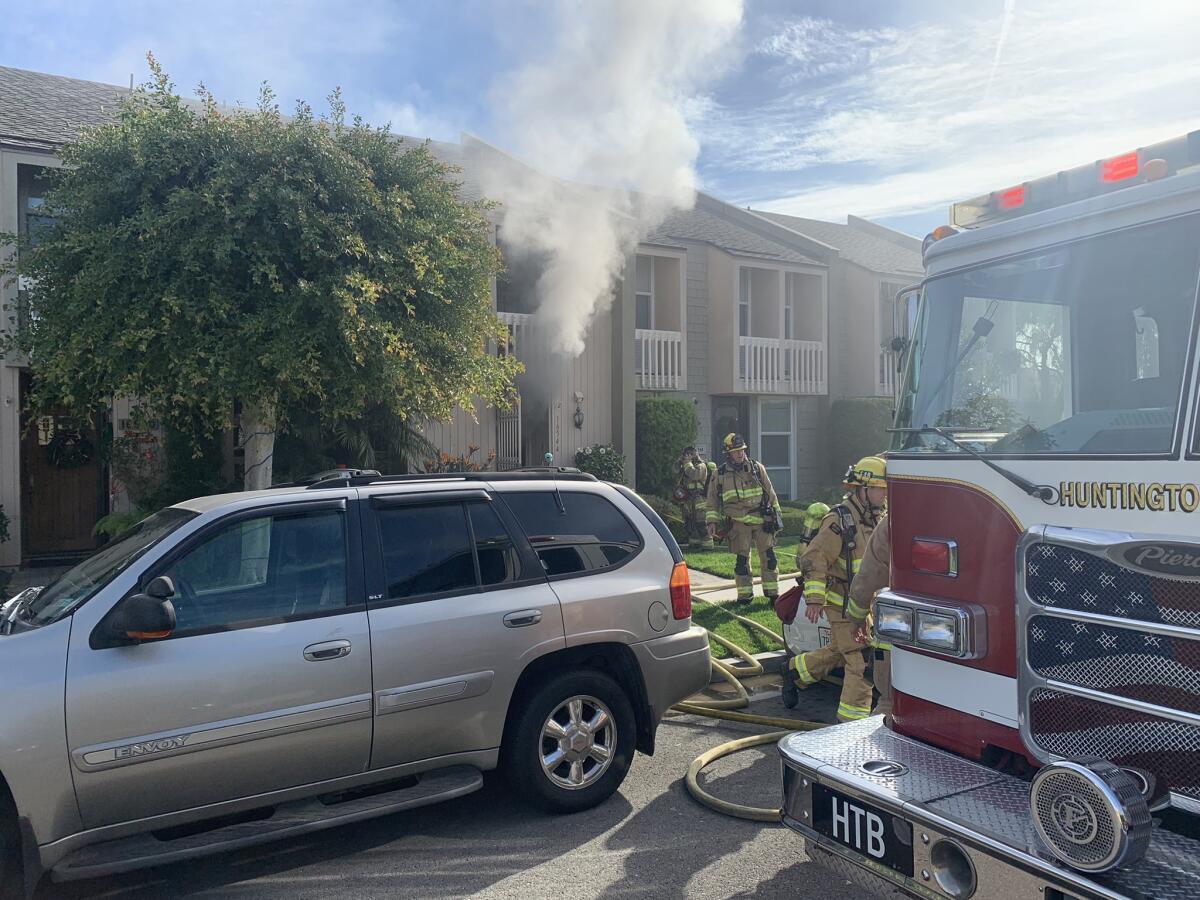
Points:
[(790, 693)]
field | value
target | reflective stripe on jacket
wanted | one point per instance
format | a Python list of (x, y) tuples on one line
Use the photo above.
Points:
[(736, 493), (823, 563)]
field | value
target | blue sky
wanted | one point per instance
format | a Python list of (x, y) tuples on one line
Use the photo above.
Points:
[(885, 109)]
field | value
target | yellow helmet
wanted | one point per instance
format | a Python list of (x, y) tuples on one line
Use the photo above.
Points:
[(734, 441), (870, 471)]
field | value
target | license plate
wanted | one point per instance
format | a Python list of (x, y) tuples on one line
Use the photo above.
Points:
[(881, 837)]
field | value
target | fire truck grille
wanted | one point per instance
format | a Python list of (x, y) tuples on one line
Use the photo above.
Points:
[(1059, 577), (1080, 728), (1123, 662)]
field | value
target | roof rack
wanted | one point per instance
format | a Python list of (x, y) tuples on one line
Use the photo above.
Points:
[(531, 473)]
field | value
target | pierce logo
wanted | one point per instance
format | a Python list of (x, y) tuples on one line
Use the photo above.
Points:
[(146, 747), (1173, 560)]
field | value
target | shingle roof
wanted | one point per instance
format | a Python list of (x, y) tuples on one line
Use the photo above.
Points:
[(706, 227), (856, 245), (44, 111)]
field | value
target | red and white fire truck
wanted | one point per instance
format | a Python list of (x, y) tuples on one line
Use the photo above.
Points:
[(1044, 605)]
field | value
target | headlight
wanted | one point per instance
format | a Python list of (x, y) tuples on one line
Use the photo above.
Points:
[(937, 631), (893, 622)]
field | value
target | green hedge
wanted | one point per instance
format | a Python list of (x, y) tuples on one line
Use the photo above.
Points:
[(858, 428), (665, 425), (602, 461)]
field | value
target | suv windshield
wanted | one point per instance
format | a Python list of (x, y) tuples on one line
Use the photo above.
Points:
[(1081, 348), (78, 584)]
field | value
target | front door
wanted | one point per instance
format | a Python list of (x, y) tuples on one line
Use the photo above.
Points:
[(462, 607), (61, 489), (265, 684), (729, 414)]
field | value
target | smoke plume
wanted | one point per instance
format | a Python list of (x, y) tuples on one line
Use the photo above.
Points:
[(600, 106)]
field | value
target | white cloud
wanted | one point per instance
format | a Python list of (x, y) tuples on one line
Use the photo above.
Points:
[(890, 121)]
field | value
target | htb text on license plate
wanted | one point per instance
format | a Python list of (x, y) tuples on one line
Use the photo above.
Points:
[(871, 832)]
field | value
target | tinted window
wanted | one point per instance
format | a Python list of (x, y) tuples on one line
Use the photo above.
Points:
[(426, 550), (264, 568), (582, 520), (499, 562)]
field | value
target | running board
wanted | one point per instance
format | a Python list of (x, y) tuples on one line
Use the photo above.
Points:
[(286, 820)]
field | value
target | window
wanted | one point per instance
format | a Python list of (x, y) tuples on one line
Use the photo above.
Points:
[(645, 293), (262, 569), (775, 441), (743, 317), (499, 561), (585, 534), (1079, 348), (426, 550)]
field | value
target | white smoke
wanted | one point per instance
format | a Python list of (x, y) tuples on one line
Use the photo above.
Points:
[(602, 104)]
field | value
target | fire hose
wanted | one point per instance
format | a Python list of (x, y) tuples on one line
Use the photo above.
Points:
[(724, 709)]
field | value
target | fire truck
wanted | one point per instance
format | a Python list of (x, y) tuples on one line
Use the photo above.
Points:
[(1044, 600)]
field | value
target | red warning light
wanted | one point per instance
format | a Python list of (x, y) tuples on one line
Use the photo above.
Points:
[(1011, 198), (1120, 167)]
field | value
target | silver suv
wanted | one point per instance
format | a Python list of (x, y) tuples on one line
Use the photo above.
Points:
[(247, 666)]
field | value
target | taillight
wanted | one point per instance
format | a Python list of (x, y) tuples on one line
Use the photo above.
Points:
[(934, 556), (681, 591)]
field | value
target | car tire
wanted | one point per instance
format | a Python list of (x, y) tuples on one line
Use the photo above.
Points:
[(571, 743)]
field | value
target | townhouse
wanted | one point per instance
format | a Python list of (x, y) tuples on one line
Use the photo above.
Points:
[(759, 320)]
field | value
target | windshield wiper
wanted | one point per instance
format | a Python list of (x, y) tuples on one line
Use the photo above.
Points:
[(982, 328), (1043, 492)]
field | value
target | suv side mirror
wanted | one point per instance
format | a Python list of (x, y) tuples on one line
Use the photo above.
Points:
[(148, 615)]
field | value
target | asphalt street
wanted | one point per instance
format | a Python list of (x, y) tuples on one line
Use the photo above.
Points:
[(650, 840)]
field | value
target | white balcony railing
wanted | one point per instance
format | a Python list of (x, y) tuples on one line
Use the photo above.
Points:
[(520, 330), (658, 360), (777, 366), (885, 380)]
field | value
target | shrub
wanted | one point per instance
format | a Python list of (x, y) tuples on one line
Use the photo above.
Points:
[(602, 461), (858, 427), (4, 536), (665, 425), (465, 463), (116, 524)]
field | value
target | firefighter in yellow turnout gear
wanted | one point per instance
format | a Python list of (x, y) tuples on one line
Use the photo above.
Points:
[(872, 577), (742, 503), (828, 565), (694, 476)]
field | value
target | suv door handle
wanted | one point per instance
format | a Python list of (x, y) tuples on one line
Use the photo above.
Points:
[(327, 650), (522, 618)]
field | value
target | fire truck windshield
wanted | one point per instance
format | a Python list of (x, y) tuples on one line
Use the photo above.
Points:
[(1080, 348)]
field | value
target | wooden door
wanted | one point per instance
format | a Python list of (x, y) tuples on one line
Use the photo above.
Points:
[(61, 490)]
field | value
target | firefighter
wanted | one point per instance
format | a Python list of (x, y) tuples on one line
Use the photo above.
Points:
[(692, 494), (827, 567), (872, 577), (741, 497), (812, 523)]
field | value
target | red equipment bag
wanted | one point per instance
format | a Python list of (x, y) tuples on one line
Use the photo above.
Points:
[(788, 604)]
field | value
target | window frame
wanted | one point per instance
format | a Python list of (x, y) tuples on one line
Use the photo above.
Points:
[(639, 548), (373, 554), (101, 639), (791, 436), (637, 293)]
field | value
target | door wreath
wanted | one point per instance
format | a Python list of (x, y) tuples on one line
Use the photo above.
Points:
[(69, 449)]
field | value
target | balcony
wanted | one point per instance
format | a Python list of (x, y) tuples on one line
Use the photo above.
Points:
[(658, 360), (520, 331), (885, 379), (779, 366)]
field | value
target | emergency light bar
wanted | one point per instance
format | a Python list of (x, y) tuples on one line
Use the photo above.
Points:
[(1101, 177)]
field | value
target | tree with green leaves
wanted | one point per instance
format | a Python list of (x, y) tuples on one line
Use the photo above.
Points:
[(204, 257)]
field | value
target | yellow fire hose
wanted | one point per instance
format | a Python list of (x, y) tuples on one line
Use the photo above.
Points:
[(723, 709)]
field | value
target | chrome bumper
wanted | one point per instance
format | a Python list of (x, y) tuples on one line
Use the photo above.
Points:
[(943, 797)]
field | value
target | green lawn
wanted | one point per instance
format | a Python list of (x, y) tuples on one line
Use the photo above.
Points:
[(716, 619), (720, 561)]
